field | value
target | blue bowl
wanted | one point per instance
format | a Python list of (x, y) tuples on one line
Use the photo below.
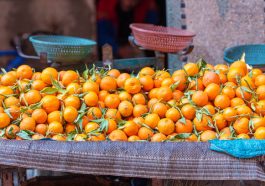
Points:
[(255, 54), (62, 48)]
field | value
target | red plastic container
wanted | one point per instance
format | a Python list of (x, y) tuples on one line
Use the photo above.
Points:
[(159, 38)]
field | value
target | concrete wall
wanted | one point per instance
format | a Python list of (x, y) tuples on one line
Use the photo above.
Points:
[(219, 24), (69, 17)]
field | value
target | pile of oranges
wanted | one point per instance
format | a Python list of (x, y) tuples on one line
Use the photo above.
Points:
[(197, 103)]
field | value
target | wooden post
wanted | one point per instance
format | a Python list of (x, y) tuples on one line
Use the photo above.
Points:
[(7, 178)]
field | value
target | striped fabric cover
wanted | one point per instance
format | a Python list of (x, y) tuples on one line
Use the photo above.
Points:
[(182, 160)]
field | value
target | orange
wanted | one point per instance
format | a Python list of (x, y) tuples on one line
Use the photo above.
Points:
[(222, 101), (222, 68), (180, 81), (90, 86), (153, 93), (102, 95), (223, 78), (255, 72), (179, 72), (113, 113), (203, 124), (145, 133), (70, 114), (139, 121), (37, 137), (130, 128), (192, 138), (55, 127), (236, 102), (36, 76), (188, 111), (112, 125), (38, 85), (260, 80), (132, 85), (177, 95), (125, 108), (69, 76), (225, 134), (10, 101), (122, 78), (11, 131), (138, 99), (32, 97), (173, 114), (260, 133), (59, 137), (234, 74), (41, 129), (91, 126), (257, 122), (112, 101), (186, 127), (91, 99), (167, 82), (164, 94), (261, 92), (243, 136), (27, 124), (229, 91), (73, 88), (160, 109), (118, 135), (4, 120), (219, 121), (54, 116), (97, 137), (50, 103), (200, 98), (146, 71), (196, 85), (159, 77), (114, 73), (244, 93), (48, 74), (39, 115), (260, 107), (230, 114), (125, 96), (241, 125), (158, 137), (108, 83), (166, 126), (96, 78), (152, 120), (73, 101), (191, 69), (61, 73), (151, 102), (244, 110), (80, 137), (24, 72), (247, 81), (85, 121), (133, 138), (94, 113), (210, 77), (70, 127), (139, 110), (147, 82), (14, 111), (210, 108), (239, 65), (212, 91), (208, 135), (8, 79)]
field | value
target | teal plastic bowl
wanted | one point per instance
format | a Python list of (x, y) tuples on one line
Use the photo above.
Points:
[(62, 48), (255, 54)]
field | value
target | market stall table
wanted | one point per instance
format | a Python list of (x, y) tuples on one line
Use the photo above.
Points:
[(181, 160)]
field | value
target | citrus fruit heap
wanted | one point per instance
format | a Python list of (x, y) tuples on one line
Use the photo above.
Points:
[(197, 103)]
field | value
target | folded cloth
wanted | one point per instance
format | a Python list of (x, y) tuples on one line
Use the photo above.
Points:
[(241, 148)]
